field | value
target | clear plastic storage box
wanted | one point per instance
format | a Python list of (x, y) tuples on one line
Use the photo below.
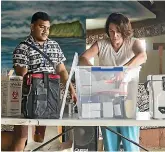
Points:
[(107, 92)]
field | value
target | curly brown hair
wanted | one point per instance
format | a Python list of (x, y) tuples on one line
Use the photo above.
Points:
[(122, 22)]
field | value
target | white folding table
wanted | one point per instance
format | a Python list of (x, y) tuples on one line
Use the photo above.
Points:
[(74, 121)]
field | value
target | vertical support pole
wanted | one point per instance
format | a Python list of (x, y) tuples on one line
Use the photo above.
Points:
[(160, 49)]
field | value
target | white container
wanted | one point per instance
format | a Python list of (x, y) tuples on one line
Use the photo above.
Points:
[(156, 87), (11, 95), (99, 86)]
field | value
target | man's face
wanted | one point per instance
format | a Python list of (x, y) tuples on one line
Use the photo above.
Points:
[(40, 30), (115, 35)]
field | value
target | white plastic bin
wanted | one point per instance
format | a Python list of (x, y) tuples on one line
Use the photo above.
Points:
[(107, 92), (156, 88), (11, 95)]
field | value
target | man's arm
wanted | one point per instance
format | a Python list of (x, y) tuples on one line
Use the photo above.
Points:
[(88, 54), (140, 54), (20, 60), (20, 71), (61, 70)]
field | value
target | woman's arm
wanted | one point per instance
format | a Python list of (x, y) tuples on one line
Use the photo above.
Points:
[(88, 54), (140, 54)]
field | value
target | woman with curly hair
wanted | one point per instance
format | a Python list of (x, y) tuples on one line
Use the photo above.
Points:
[(119, 49)]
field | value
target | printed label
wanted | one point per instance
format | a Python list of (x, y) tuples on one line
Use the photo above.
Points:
[(117, 110)]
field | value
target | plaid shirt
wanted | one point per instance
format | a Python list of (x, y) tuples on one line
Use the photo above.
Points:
[(27, 57)]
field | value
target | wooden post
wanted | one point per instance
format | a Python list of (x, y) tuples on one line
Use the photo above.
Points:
[(59, 130), (159, 47)]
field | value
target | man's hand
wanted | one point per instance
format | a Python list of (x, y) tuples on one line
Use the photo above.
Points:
[(61, 70), (73, 95)]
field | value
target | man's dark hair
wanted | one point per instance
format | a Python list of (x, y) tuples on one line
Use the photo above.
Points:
[(40, 15), (122, 22)]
